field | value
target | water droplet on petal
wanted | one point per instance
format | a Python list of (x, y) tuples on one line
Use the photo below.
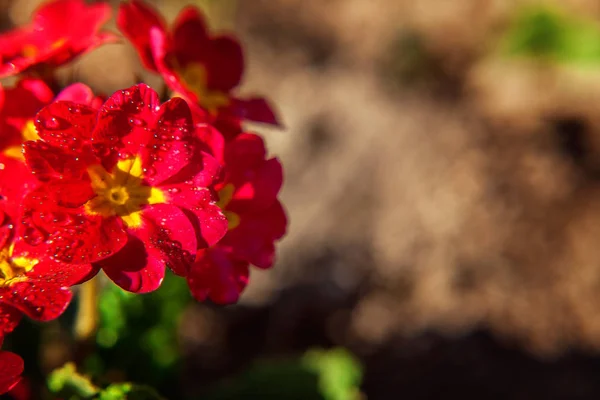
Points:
[(149, 172), (137, 121), (33, 236)]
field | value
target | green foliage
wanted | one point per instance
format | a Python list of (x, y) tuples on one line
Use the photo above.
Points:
[(67, 383), (339, 373), (551, 34), (138, 334), (318, 375)]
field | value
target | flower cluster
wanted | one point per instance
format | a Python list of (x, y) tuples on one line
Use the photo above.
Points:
[(130, 184)]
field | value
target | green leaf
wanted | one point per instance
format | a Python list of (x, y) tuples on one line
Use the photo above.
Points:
[(554, 35), (340, 374), (69, 384), (128, 391), (317, 375)]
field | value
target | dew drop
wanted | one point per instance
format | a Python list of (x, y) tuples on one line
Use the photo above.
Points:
[(150, 172), (137, 121), (54, 123), (33, 236), (124, 155)]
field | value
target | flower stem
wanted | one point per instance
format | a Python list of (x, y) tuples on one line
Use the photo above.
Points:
[(86, 321)]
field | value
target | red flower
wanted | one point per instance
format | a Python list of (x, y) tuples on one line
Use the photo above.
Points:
[(248, 197), (202, 68), (20, 104), (37, 287), (11, 368), (131, 184), (18, 108), (60, 31)]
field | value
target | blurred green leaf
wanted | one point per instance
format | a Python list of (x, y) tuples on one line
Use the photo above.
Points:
[(128, 391), (340, 374), (544, 32), (66, 382), (318, 375), (137, 336)]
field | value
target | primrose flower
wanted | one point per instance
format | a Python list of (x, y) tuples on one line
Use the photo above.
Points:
[(18, 107), (59, 31), (124, 188), (32, 286), (256, 219), (201, 68), (11, 368)]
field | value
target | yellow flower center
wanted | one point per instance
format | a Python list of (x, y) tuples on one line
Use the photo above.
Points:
[(29, 132), (194, 77), (225, 196), (122, 192), (13, 269)]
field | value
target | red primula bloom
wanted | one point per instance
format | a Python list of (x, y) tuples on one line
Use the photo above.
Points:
[(11, 368), (248, 197), (202, 68), (124, 188), (32, 286), (60, 31), (22, 103)]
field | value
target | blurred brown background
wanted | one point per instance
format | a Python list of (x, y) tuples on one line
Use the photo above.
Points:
[(444, 199)]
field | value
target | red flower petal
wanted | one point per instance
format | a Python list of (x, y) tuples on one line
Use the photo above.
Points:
[(216, 275), (38, 301), (222, 56), (159, 44), (15, 181), (53, 17), (246, 151), (224, 63), (260, 189), (253, 239), (26, 99), (210, 140), (66, 125), (190, 34), (81, 94), (9, 318), (47, 162), (11, 368), (202, 171), (133, 269), (55, 224), (135, 20), (60, 31), (169, 147), (125, 111), (228, 125), (50, 273), (169, 236), (132, 122), (206, 217), (255, 109), (165, 239)]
